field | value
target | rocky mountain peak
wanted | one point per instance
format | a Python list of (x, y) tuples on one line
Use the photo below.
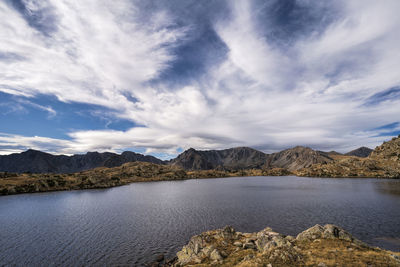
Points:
[(361, 152)]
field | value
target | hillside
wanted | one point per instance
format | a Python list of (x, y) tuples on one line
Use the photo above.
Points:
[(233, 158), (297, 158), (40, 162), (383, 162), (248, 158)]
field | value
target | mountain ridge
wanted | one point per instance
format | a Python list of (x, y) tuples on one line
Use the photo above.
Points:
[(384, 162), (291, 159), (36, 161), (361, 152)]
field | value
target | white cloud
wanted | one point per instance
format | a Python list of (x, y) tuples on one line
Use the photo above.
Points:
[(97, 52), (312, 93)]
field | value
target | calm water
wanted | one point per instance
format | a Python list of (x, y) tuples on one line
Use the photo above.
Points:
[(131, 224)]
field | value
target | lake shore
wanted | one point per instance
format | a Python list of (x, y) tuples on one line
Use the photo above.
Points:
[(322, 246), (100, 178)]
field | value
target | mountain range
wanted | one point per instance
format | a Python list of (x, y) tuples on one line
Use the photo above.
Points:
[(292, 159), (35, 161), (383, 162)]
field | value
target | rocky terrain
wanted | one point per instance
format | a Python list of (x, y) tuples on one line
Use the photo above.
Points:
[(383, 162), (39, 162), (103, 177), (297, 158), (327, 245), (247, 158), (233, 158)]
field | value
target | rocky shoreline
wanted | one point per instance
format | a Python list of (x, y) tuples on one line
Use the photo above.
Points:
[(12, 183), (322, 246)]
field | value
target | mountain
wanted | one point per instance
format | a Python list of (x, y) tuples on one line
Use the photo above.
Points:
[(383, 162), (361, 152), (40, 162), (232, 158), (248, 158), (297, 158)]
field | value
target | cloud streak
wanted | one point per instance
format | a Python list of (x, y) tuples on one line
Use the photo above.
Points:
[(325, 85)]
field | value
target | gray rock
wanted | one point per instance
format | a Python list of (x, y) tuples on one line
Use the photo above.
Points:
[(215, 255), (191, 252), (329, 231), (237, 243), (207, 251), (249, 245), (228, 232)]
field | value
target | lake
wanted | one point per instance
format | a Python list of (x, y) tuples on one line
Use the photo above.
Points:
[(130, 225)]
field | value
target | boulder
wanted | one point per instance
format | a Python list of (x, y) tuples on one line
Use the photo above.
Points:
[(215, 255), (329, 231), (191, 252), (228, 233)]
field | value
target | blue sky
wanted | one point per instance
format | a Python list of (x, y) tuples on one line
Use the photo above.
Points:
[(158, 77)]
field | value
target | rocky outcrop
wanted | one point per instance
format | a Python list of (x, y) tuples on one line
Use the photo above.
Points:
[(361, 152), (389, 150), (327, 245), (34, 161), (102, 177), (297, 158), (383, 162)]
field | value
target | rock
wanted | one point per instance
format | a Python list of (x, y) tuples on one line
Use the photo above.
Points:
[(249, 245), (160, 258), (223, 254), (267, 248), (250, 240), (215, 255), (269, 240), (228, 232), (238, 244), (171, 261), (289, 238), (248, 257), (190, 252), (207, 251), (397, 258), (328, 231)]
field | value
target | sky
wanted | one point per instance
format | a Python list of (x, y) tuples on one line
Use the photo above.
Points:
[(158, 77)]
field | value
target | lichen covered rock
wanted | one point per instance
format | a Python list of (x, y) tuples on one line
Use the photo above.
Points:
[(327, 245)]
